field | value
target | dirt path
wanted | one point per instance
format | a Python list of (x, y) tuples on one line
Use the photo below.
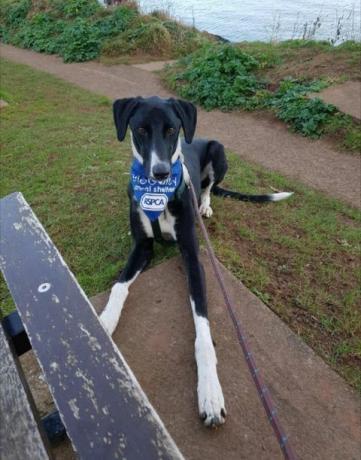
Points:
[(266, 142), (346, 97)]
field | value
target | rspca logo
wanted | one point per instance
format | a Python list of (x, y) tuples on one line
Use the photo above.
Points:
[(154, 201)]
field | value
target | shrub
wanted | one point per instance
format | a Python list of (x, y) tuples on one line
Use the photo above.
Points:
[(75, 29), (218, 76), (153, 38), (14, 13), (79, 8), (148, 35), (117, 47), (115, 22), (308, 116), (40, 33), (80, 41)]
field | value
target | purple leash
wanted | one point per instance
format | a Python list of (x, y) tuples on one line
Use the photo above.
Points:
[(262, 389)]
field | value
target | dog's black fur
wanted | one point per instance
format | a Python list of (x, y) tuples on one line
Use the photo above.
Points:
[(155, 125), (149, 121)]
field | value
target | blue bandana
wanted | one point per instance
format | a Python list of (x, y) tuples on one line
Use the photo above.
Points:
[(153, 195)]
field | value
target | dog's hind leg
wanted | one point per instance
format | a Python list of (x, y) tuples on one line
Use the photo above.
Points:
[(205, 206), (213, 172), (138, 260)]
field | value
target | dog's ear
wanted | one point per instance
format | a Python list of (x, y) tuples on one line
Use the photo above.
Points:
[(122, 111), (187, 114)]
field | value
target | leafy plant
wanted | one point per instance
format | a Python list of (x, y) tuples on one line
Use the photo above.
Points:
[(308, 116), (218, 76), (80, 41), (74, 29), (117, 22), (13, 13), (80, 8), (40, 33)]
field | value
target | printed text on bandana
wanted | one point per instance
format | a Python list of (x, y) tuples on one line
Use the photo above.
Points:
[(152, 195)]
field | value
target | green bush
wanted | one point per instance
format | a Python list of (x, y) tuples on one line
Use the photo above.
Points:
[(147, 34), (74, 29), (308, 116), (40, 33), (117, 46), (14, 13), (80, 8), (152, 38), (115, 22), (80, 41), (82, 38), (218, 76)]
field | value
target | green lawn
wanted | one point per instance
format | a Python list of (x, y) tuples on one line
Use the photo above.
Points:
[(301, 257), (60, 150)]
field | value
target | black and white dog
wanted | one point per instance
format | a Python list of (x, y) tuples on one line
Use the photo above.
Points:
[(161, 206)]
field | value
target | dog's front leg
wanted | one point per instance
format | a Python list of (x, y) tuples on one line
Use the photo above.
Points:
[(210, 395), (138, 260)]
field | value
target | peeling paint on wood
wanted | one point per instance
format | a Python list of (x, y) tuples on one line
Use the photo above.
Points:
[(104, 410)]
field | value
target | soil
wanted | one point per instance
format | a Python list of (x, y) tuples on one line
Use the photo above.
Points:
[(255, 138)]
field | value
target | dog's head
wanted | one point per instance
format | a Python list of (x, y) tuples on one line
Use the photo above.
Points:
[(155, 125)]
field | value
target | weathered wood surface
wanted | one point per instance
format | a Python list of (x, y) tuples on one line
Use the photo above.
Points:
[(20, 437), (104, 410)]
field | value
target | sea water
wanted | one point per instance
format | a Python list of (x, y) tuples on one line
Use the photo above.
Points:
[(267, 20)]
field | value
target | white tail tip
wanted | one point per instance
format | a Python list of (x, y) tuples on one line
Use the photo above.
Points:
[(280, 196)]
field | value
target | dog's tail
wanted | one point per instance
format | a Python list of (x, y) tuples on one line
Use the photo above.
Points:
[(218, 191)]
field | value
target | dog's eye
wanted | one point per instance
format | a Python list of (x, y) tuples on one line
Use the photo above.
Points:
[(170, 131), (142, 131)]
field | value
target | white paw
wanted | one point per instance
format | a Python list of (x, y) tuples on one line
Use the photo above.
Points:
[(205, 210), (211, 402)]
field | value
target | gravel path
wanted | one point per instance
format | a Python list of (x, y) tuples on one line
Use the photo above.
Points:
[(252, 137)]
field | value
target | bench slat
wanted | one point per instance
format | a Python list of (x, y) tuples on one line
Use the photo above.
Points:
[(20, 437), (104, 410)]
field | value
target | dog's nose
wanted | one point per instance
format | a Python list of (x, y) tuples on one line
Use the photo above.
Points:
[(161, 171)]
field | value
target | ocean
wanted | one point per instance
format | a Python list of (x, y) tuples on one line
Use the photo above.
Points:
[(267, 20)]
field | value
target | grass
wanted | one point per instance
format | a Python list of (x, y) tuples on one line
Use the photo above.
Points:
[(306, 59), (301, 257)]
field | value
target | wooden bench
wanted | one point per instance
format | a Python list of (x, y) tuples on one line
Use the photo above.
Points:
[(102, 407)]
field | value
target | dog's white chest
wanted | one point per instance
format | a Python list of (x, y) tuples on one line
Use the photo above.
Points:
[(166, 223)]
